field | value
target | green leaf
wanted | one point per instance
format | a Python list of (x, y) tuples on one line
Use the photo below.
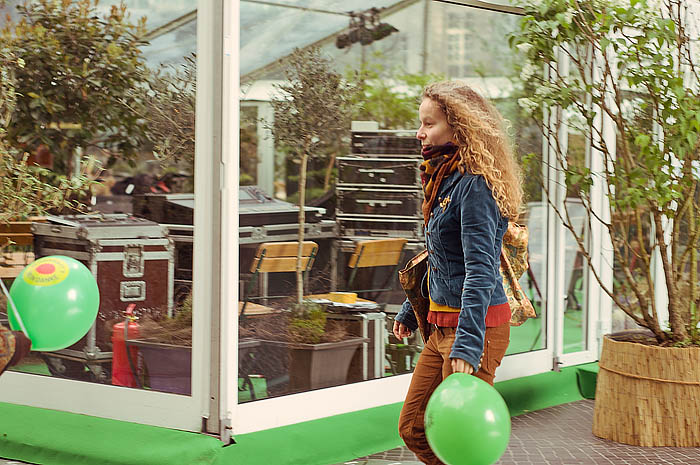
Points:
[(642, 141)]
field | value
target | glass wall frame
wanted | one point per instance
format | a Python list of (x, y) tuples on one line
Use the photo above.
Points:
[(596, 306), (151, 407), (279, 411)]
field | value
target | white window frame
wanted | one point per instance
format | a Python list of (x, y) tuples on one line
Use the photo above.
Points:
[(281, 411), (598, 303), (149, 407)]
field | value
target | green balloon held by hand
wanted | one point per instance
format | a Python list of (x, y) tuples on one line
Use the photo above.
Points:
[(57, 300), (467, 421)]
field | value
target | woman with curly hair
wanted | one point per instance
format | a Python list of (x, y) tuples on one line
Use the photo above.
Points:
[(472, 188)]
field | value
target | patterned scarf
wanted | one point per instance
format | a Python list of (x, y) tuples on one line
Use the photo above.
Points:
[(439, 161)]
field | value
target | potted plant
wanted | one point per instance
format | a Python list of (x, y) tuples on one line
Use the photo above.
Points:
[(28, 191), (165, 343), (311, 116), (77, 80), (315, 352), (633, 66)]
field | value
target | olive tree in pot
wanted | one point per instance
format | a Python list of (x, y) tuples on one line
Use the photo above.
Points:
[(632, 87), (312, 114)]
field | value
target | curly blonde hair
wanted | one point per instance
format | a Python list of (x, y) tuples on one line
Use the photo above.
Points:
[(484, 146)]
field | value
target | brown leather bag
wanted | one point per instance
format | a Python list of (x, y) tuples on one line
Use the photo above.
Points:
[(411, 278)]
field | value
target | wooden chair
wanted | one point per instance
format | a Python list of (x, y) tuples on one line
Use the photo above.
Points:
[(19, 235), (276, 257), (18, 232), (373, 253)]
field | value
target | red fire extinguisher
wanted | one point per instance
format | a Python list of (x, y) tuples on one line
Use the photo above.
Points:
[(124, 368)]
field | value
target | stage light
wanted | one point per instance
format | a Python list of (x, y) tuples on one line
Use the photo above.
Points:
[(342, 41), (364, 28), (383, 30)]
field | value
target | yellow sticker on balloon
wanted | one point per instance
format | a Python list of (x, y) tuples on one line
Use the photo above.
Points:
[(46, 271)]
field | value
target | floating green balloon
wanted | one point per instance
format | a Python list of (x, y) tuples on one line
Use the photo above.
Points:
[(57, 300), (467, 422)]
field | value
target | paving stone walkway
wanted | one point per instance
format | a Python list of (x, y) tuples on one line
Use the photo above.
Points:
[(560, 435)]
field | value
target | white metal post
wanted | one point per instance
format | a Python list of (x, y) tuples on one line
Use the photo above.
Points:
[(228, 389), (206, 265)]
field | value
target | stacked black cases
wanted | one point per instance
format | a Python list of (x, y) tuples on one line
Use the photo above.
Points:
[(378, 190)]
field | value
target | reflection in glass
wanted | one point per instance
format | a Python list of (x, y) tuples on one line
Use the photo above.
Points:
[(112, 116), (363, 214), (576, 309), (531, 335)]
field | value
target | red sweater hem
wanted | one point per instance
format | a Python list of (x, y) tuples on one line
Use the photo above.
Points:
[(496, 315)]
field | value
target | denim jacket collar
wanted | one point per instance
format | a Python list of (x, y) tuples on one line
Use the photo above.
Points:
[(447, 183)]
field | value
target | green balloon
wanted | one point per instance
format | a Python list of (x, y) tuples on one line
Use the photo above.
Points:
[(57, 299), (467, 421)]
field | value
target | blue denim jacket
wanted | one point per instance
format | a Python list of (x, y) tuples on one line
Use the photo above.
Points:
[(464, 245)]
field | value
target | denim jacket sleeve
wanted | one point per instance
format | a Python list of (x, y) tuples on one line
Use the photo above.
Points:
[(479, 218), (406, 316)]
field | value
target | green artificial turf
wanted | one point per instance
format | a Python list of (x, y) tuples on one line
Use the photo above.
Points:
[(51, 437), (45, 436)]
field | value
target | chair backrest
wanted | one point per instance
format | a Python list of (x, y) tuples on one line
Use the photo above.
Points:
[(379, 252), (19, 232), (273, 257)]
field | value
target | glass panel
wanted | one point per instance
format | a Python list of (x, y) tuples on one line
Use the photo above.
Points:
[(361, 180), (532, 334), (576, 309), (118, 114)]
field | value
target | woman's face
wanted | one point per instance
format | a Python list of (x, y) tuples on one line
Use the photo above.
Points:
[(434, 129)]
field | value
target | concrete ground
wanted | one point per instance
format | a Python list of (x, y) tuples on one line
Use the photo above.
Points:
[(559, 435)]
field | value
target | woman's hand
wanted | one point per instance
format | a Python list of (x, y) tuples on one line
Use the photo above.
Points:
[(461, 366), (401, 330)]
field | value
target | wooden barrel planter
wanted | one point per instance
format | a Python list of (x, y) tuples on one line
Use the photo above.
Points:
[(648, 395)]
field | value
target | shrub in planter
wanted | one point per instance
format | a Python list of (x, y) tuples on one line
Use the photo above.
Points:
[(632, 87), (301, 350), (165, 344)]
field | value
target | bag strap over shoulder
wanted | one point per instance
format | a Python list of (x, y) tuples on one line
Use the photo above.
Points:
[(515, 248)]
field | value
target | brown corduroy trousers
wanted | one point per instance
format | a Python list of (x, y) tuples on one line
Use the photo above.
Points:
[(433, 366)]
